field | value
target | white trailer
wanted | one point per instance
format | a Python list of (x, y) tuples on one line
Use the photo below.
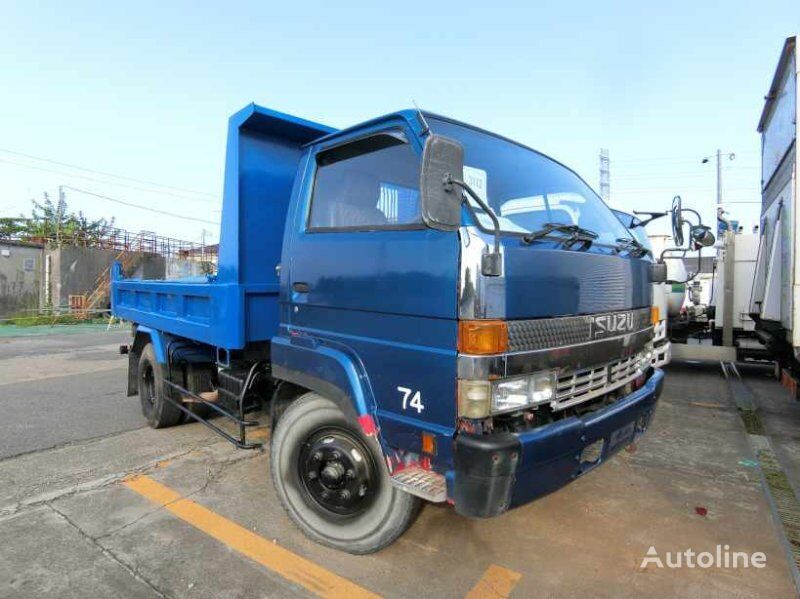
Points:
[(775, 299)]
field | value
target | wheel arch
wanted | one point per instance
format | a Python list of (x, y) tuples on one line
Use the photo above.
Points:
[(325, 370), (141, 337)]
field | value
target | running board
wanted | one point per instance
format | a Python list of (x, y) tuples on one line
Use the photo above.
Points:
[(423, 483)]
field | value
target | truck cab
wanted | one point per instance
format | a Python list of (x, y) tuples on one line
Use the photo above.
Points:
[(426, 311)]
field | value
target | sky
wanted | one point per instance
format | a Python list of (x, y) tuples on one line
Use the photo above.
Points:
[(137, 95)]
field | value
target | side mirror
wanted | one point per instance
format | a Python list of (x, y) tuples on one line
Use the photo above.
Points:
[(442, 160), (701, 236), (677, 220)]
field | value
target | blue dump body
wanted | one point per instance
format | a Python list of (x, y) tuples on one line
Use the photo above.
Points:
[(240, 304), (480, 387)]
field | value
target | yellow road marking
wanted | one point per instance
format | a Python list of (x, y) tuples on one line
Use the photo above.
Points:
[(495, 582), (291, 566)]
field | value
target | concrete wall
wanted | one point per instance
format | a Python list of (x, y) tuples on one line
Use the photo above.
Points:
[(20, 277), (27, 283), (76, 270), (178, 268)]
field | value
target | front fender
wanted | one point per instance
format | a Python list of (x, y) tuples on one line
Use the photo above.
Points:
[(328, 368)]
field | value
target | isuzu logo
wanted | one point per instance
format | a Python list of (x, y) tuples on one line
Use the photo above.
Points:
[(608, 325)]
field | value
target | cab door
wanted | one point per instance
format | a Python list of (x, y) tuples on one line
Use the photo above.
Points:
[(365, 273)]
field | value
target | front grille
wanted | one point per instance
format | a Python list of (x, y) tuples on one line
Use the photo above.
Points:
[(583, 385), (544, 333)]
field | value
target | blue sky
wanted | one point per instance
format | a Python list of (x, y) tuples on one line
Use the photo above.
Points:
[(144, 90)]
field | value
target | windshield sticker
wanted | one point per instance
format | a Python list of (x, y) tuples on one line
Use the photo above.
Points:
[(476, 179)]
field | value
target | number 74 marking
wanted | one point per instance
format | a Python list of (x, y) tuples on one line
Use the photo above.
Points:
[(415, 401)]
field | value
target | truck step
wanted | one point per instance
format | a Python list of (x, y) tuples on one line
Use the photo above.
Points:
[(423, 483)]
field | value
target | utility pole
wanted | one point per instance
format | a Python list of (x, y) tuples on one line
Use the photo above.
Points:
[(59, 204), (605, 175), (719, 178), (720, 156), (729, 249)]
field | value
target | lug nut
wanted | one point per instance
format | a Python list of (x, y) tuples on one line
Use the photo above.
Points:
[(345, 494), (336, 455), (350, 473), (317, 456), (312, 474)]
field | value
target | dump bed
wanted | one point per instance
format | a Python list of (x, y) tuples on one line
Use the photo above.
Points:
[(240, 304)]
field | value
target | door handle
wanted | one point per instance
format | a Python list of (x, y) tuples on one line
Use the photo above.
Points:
[(300, 287)]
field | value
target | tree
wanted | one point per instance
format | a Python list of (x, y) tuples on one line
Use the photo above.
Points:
[(52, 221), (11, 227)]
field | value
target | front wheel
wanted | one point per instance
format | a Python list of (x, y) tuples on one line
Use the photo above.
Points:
[(332, 481)]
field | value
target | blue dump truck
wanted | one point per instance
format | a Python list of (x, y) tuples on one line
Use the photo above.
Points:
[(424, 311)]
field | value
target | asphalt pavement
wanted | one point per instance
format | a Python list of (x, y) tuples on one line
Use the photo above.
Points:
[(59, 389), (94, 504)]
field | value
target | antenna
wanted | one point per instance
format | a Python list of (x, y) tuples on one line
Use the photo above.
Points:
[(425, 128)]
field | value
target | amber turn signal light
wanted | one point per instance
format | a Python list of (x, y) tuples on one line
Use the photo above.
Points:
[(428, 444), (655, 315), (482, 337)]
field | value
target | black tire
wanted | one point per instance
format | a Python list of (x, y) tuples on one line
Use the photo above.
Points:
[(377, 522), (158, 411)]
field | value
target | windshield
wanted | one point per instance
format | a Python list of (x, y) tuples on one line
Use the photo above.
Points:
[(637, 232), (641, 236), (527, 189)]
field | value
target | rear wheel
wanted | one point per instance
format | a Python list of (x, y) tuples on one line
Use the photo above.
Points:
[(332, 481), (159, 412)]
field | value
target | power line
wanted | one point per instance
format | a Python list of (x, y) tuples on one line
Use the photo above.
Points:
[(107, 174), (671, 159), (663, 174), (132, 205), (73, 175), (682, 188)]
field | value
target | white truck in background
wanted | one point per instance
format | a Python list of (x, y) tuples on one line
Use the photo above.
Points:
[(775, 297)]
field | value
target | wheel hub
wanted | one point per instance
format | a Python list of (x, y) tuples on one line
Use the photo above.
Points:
[(337, 471)]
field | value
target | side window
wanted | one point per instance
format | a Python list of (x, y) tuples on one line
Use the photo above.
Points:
[(368, 184)]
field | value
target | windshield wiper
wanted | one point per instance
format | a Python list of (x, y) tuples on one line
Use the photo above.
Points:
[(573, 234), (632, 245)]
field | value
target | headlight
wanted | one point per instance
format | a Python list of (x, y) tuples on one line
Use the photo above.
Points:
[(479, 399), (510, 394), (522, 392), (646, 358)]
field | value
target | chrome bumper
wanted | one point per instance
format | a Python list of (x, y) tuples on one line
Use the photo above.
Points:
[(662, 353)]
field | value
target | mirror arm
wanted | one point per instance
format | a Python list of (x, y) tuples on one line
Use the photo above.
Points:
[(676, 253), (653, 216), (449, 181), (491, 264), (699, 220)]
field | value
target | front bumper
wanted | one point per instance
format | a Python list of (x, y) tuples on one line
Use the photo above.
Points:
[(496, 472)]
